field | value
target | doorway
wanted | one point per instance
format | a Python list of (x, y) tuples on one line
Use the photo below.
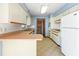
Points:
[(41, 26)]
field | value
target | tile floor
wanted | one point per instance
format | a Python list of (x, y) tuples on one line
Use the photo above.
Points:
[(47, 47)]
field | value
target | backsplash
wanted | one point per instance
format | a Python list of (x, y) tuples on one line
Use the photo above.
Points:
[(8, 27)]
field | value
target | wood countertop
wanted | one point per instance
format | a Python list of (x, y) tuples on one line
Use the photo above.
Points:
[(21, 35)]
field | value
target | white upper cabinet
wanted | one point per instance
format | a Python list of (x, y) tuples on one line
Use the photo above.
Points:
[(17, 14), (4, 13), (28, 20), (13, 12)]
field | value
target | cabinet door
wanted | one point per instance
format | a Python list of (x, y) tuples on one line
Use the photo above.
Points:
[(4, 13), (17, 14), (19, 48), (28, 20)]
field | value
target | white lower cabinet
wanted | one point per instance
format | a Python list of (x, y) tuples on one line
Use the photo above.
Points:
[(0, 48), (55, 37), (19, 47)]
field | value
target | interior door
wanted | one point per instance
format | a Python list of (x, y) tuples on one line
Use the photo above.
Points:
[(39, 26)]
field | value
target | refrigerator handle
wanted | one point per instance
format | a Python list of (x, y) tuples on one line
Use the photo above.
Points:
[(75, 14)]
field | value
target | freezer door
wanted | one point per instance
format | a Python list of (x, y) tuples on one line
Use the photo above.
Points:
[(71, 20), (69, 42)]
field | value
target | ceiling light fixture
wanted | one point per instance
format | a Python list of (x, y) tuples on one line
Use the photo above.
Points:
[(43, 9)]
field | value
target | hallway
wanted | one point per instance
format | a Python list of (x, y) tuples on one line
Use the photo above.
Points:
[(47, 47)]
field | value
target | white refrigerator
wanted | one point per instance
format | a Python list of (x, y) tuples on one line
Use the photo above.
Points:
[(70, 34)]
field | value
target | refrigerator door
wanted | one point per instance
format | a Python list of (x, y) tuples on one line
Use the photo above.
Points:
[(71, 20), (70, 41)]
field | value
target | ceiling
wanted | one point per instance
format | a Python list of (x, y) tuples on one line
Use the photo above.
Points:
[(35, 8)]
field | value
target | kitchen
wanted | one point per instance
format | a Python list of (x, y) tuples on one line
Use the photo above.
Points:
[(19, 27)]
